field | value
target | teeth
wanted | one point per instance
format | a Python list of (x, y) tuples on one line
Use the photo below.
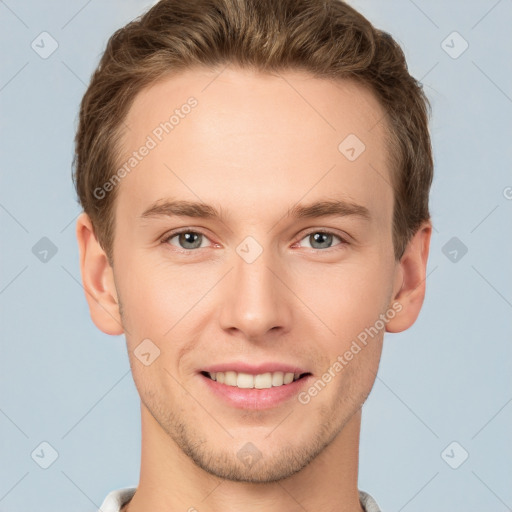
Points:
[(260, 381)]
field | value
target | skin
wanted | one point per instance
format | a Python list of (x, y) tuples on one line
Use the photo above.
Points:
[(254, 146)]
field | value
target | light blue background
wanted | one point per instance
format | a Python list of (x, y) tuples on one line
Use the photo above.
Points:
[(448, 378)]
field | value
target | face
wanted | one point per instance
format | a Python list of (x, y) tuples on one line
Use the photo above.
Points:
[(257, 280)]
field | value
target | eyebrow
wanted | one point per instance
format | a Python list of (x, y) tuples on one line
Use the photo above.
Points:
[(181, 208)]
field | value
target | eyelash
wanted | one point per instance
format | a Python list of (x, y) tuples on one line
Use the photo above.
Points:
[(171, 235)]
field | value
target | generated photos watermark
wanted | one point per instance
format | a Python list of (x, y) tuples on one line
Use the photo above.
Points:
[(305, 397), (156, 136)]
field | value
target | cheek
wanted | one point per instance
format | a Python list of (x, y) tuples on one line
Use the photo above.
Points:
[(335, 301), (347, 297), (156, 295)]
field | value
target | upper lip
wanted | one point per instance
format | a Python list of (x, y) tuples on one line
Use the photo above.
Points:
[(254, 369)]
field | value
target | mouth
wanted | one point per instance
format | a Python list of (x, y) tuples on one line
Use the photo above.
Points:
[(265, 380), (257, 386)]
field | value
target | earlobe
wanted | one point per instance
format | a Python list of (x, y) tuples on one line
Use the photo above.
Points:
[(97, 279), (411, 272)]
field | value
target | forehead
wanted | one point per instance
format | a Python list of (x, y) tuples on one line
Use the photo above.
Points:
[(253, 140)]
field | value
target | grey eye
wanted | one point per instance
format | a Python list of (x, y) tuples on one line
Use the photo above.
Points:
[(187, 239)]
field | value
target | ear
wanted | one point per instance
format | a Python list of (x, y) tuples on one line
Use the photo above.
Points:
[(410, 277), (97, 279)]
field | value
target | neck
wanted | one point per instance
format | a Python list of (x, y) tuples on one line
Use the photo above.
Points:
[(171, 481)]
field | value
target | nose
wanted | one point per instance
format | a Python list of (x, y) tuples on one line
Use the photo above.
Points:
[(256, 299)]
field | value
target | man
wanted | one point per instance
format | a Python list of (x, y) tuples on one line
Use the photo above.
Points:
[(255, 178)]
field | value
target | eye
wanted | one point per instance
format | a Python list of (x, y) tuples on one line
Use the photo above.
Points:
[(189, 240), (323, 240), (186, 239)]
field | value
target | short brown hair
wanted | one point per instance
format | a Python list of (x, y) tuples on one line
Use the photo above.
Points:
[(326, 38)]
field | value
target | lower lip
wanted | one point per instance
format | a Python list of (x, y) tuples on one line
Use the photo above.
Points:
[(253, 398)]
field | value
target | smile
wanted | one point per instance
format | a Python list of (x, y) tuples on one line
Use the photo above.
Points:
[(248, 381)]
